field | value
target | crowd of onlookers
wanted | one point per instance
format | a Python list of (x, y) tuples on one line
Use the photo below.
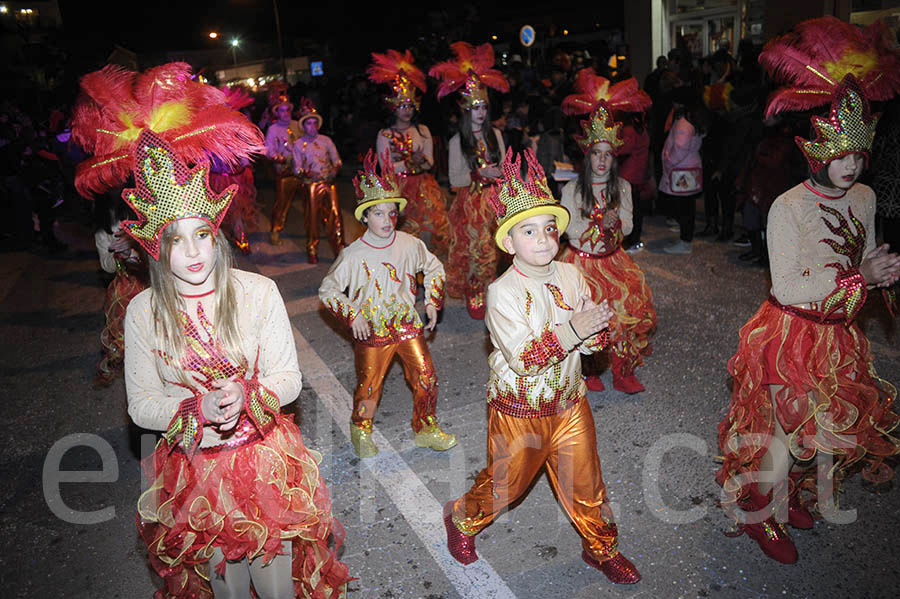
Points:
[(745, 161)]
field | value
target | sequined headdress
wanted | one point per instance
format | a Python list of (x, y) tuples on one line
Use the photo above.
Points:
[(827, 60), (155, 124), (471, 72), (595, 95), (399, 71), (518, 198), (372, 188), (278, 95), (308, 111)]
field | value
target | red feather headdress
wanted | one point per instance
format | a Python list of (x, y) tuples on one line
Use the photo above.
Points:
[(237, 97), (193, 118), (813, 60), (595, 95), (470, 72), (398, 70)]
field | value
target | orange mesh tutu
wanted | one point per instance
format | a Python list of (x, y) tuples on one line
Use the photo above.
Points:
[(426, 211), (246, 501), (616, 278), (831, 400), (473, 254)]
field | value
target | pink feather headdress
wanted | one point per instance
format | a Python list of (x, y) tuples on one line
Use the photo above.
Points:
[(400, 72), (469, 72)]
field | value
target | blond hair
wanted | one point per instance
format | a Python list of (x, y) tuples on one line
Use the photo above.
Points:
[(167, 304)]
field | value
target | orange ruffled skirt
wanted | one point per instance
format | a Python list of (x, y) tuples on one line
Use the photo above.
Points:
[(119, 294), (616, 278), (246, 501), (831, 400), (426, 211), (472, 263)]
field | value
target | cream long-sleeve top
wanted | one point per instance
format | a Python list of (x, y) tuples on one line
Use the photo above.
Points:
[(458, 167), (280, 138), (317, 158), (603, 230), (404, 144), (154, 390), (536, 361), (376, 278), (801, 258)]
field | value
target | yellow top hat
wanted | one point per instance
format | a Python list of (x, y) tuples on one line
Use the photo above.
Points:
[(518, 198), (372, 188)]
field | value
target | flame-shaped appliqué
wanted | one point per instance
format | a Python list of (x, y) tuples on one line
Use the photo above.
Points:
[(557, 295), (392, 271)]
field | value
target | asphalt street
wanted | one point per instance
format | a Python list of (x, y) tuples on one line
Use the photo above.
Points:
[(78, 539)]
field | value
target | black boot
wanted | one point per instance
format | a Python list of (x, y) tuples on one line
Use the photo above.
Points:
[(755, 243), (763, 259), (711, 229)]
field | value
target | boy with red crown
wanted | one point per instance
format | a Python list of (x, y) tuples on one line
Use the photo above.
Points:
[(379, 269), (541, 318)]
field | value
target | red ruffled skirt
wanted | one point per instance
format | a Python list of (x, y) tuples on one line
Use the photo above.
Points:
[(243, 205), (246, 501), (472, 262), (831, 398), (426, 211), (616, 278), (119, 294)]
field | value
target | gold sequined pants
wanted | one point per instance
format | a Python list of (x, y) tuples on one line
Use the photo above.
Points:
[(285, 189), (517, 450), (322, 208), (371, 366)]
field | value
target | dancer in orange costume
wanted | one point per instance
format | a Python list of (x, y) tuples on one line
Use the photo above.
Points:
[(541, 318), (280, 138), (804, 382), (601, 206), (235, 499), (475, 154), (379, 271), (411, 150)]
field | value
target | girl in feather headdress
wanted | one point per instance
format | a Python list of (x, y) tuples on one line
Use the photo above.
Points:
[(475, 154), (600, 203), (411, 150), (234, 499), (805, 392)]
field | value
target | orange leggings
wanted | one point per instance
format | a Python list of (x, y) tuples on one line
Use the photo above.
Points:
[(518, 448), (371, 366)]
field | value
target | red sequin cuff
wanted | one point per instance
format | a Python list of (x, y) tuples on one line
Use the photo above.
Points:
[(542, 352), (436, 294), (598, 342), (187, 426), (261, 405), (850, 293)]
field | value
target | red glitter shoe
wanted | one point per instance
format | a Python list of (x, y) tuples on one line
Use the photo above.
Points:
[(311, 257), (627, 384), (475, 299), (771, 536), (594, 383), (618, 569), (798, 515), (461, 546)]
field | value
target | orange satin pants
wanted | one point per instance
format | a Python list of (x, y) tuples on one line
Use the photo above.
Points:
[(322, 208), (566, 443), (371, 366), (285, 189)]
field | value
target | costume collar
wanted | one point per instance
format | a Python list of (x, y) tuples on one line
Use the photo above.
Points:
[(538, 273)]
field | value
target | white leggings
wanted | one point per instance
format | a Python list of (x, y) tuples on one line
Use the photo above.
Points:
[(271, 581)]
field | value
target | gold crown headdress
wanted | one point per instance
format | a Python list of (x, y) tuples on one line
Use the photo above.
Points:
[(469, 72), (308, 111), (826, 59), (518, 198), (596, 96), (278, 94), (372, 188), (155, 124), (398, 70)]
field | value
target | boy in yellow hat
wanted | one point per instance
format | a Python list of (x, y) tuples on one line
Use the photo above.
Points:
[(378, 271), (541, 318)]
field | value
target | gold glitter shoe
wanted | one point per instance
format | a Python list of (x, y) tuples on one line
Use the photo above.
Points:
[(362, 441), (433, 437), (275, 238)]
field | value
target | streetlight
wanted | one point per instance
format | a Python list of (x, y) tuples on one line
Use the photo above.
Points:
[(213, 35), (234, 44)]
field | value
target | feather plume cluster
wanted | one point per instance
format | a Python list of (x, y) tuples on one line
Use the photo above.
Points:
[(469, 62), (116, 105), (387, 67), (813, 60), (590, 88)]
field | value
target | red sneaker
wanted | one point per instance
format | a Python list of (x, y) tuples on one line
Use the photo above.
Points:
[(461, 546), (594, 383), (476, 306), (618, 569), (627, 384)]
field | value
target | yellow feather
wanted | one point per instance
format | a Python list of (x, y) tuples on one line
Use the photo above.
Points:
[(169, 115), (855, 63)]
